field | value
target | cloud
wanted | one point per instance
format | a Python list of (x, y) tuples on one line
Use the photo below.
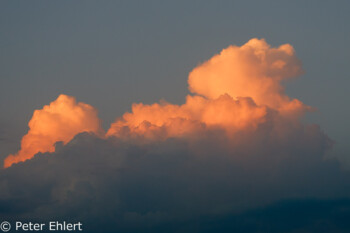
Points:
[(236, 145), (236, 90), (292, 216), (254, 69), (59, 121), (126, 185)]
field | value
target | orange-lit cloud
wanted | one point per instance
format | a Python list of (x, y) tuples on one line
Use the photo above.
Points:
[(253, 70), (236, 90), (165, 120), (59, 121)]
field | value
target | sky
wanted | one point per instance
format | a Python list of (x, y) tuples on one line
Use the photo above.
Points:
[(106, 56)]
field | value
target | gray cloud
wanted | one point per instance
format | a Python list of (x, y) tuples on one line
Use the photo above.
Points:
[(133, 185)]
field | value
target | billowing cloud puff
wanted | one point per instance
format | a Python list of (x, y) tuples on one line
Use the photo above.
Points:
[(253, 70), (166, 120), (59, 121)]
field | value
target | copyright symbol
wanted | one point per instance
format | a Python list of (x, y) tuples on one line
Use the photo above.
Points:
[(5, 226)]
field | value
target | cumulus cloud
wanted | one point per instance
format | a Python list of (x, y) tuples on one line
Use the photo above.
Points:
[(59, 121), (254, 69), (235, 145), (237, 90)]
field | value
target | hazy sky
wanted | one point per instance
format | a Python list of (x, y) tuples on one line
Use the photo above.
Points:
[(113, 53)]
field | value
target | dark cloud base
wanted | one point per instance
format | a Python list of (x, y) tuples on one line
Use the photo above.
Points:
[(289, 216), (322, 216), (261, 181)]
